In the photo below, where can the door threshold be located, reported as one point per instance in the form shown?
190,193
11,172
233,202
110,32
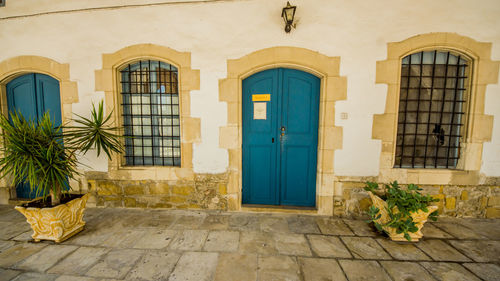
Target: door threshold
278,209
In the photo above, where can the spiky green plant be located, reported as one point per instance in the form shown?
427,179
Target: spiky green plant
407,201
45,155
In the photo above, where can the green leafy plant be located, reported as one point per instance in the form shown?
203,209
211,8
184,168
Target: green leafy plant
400,204
45,155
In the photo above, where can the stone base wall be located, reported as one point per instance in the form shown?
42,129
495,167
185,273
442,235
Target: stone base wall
478,201
206,191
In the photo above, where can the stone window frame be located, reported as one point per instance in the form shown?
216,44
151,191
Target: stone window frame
21,65
333,88
479,127
107,80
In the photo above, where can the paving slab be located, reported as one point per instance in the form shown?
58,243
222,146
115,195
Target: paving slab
24,237
357,270
402,250
459,231
303,225
155,265
189,240
278,268
488,227
11,229
8,274
215,222
400,270
439,250
328,246
125,239
155,239
75,278
273,225
187,222
292,244
333,226
244,222
33,276
430,231
222,241
195,266
444,271
315,269
360,227
486,271
46,258
236,267
4,245
116,264
79,262
365,248
479,250
19,252
92,237
257,243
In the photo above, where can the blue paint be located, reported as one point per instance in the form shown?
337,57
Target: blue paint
33,95
282,172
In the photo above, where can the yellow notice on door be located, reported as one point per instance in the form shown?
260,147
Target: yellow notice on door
261,97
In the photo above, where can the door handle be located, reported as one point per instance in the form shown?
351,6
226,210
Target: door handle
273,140
283,130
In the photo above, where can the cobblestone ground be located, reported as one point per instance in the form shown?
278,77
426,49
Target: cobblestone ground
172,245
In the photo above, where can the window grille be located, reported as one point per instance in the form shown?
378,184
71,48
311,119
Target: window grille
150,102
431,109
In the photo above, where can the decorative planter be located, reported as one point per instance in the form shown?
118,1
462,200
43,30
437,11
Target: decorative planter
57,223
419,218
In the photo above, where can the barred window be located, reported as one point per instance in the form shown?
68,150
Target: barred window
150,102
432,104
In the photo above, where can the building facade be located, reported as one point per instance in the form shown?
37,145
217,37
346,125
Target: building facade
223,109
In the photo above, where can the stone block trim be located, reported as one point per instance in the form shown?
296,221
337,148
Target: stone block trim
333,88
457,200
479,127
203,191
106,80
17,66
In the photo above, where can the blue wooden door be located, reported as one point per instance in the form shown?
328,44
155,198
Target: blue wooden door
280,136
33,95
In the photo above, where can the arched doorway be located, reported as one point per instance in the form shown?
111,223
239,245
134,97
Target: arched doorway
32,95
280,112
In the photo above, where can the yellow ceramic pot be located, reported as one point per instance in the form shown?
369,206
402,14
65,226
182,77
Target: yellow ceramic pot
419,218
57,223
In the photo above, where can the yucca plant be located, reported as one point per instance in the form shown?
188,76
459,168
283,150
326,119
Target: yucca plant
45,155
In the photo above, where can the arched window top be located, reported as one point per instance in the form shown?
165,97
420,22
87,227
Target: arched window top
152,64
440,57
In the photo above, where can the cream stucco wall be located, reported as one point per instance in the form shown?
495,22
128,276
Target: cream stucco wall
357,31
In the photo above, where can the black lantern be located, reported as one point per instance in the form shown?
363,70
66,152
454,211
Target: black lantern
287,14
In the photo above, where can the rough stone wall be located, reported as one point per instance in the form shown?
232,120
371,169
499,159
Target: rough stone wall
206,191
479,201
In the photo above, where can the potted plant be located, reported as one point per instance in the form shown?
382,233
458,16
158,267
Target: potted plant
45,156
400,213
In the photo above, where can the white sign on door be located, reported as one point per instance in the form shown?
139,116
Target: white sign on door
259,110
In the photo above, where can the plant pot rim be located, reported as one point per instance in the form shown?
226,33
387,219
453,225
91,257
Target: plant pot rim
20,205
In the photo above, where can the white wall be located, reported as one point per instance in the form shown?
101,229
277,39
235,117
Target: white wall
355,30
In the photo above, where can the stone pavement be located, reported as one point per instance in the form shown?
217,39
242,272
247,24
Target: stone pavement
130,244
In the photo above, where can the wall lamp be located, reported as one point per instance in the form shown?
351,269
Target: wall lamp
288,13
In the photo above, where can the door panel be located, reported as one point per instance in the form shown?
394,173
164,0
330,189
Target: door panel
32,95
299,147
280,152
259,152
